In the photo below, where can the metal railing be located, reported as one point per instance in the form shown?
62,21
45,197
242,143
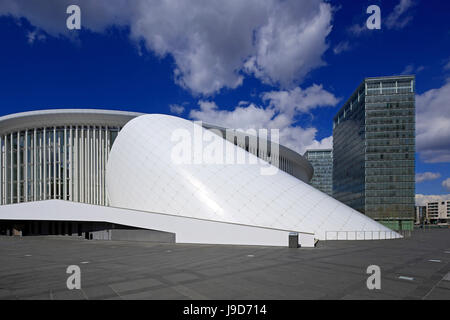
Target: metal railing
367,235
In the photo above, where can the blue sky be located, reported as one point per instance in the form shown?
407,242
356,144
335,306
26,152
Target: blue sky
287,65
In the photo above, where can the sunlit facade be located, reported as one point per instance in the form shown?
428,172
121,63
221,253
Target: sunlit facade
66,170
57,155
227,193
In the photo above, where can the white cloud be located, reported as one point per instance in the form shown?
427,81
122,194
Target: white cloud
421,199
421,177
446,184
357,29
279,112
447,65
176,108
341,47
214,42
35,35
433,124
399,18
299,100
411,69
289,45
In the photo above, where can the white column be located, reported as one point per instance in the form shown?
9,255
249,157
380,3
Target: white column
60,166
76,163
95,171
70,166
25,167
41,165
48,163
5,172
54,164
12,168
2,169
88,166
64,161
92,166
102,166
83,164
2,191
106,158
18,166
80,165
97,166
35,151
44,165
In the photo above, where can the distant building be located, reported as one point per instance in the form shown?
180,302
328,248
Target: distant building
374,151
322,162
421,215
438,211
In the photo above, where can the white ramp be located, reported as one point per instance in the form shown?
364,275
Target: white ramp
186,229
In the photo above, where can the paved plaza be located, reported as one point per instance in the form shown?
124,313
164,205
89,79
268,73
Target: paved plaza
413,268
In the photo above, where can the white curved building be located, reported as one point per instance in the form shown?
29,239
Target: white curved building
163,173
143,174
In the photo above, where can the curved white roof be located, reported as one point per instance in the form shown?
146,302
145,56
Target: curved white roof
60,117
301,168
142,175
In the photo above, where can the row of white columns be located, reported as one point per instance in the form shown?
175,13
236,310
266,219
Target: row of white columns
257,149
65,163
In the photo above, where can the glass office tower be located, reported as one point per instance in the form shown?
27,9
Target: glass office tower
374,151
322,162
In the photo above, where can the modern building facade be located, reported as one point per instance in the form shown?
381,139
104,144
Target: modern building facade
62,154
374,150
57,154
438,212
222,192
76,169
322,162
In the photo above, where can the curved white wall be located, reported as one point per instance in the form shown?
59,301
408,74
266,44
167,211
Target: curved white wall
141,175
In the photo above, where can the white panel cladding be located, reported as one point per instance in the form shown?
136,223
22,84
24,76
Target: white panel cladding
141,175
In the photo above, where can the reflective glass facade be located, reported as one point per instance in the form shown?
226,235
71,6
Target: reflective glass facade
374,149
322,162
66,163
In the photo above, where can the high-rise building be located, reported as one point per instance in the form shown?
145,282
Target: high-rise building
374,150
322,162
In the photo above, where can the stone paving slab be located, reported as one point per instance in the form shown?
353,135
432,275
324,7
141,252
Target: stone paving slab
413,268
